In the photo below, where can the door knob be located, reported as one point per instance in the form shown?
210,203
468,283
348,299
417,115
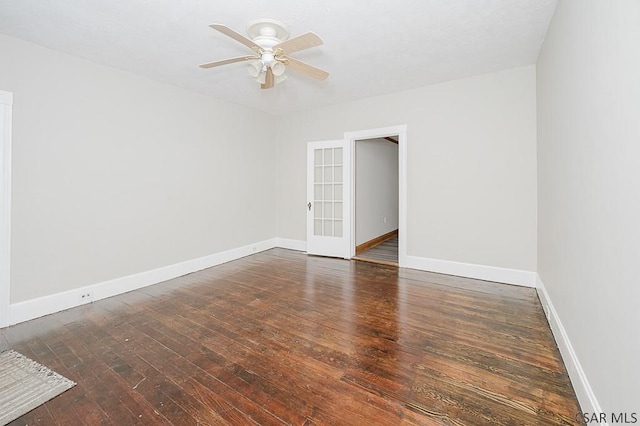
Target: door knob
309,205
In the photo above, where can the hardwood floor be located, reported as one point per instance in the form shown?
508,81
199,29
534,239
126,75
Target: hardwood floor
282,338
384,254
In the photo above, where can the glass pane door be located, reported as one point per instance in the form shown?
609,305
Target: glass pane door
327,192
327,189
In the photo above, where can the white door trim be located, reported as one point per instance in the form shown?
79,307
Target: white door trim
352,137
6,106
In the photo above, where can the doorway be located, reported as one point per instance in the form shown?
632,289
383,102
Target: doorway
398,133
376,200
331,200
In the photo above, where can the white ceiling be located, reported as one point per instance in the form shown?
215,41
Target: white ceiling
371,47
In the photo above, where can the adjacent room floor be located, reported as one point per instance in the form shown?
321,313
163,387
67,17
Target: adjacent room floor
385,253
283,338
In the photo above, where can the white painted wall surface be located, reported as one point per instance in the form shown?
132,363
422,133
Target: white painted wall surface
471,165
114,174
589,180
376,188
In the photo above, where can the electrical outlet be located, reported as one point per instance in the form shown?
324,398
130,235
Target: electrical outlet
384,219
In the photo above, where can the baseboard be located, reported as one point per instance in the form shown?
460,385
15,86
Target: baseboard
291,244
469,270
586,397
34,308
376,241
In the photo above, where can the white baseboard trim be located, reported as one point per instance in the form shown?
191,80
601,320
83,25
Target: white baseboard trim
469,270
286,243
586,397
34,308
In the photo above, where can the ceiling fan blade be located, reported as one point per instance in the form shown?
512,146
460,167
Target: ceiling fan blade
301,42
307,69
236,36
228,61
268,82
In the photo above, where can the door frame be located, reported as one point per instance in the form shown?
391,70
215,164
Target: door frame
352,137
6,106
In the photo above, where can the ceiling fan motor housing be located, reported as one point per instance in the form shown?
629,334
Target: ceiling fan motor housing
267,32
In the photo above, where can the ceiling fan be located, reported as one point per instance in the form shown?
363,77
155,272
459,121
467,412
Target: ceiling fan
269,39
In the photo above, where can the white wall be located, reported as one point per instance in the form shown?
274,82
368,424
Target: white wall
114,174
471,165
589,178
376,188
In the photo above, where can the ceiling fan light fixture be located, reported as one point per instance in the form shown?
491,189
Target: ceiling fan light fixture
262,78
255,68
277,68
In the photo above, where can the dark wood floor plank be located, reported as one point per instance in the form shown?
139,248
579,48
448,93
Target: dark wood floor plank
76,402
178,334
285,338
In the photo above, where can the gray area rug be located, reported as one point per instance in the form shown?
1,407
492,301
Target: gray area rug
25,384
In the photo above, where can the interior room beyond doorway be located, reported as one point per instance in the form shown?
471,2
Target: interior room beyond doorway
377,200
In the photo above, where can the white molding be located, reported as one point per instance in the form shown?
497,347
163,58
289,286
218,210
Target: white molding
584,392
402,194
6,98
470,270
6,106
34,308
286,243
352,137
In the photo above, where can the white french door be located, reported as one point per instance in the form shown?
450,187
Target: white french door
328,192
